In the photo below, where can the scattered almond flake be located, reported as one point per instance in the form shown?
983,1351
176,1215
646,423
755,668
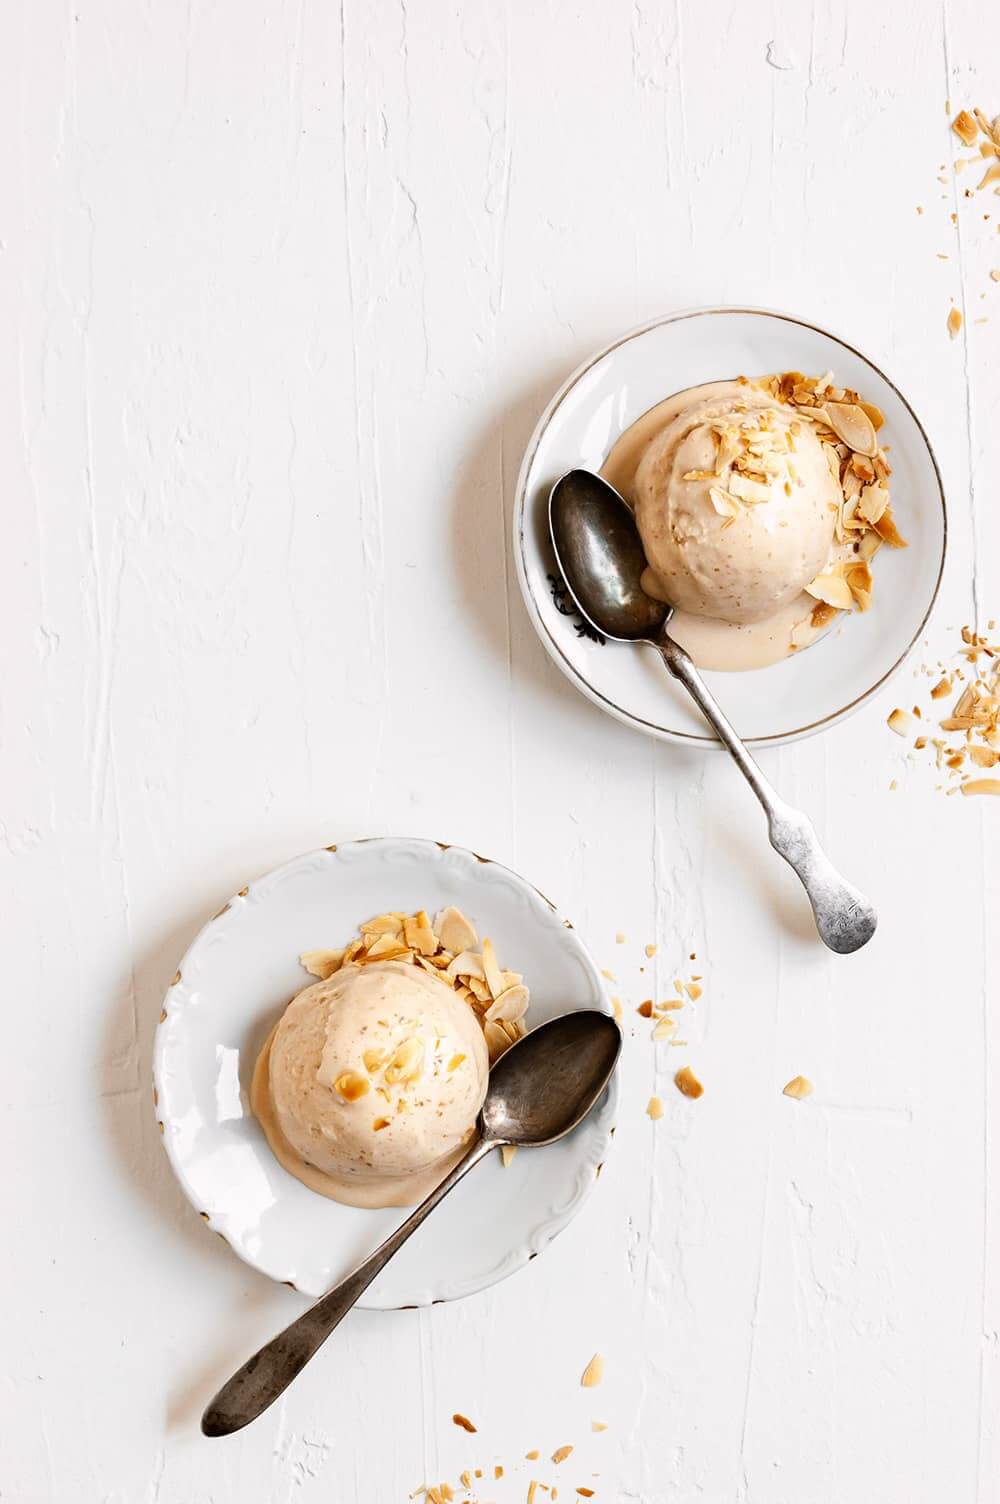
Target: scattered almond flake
407,1062
725,504
322,963
650,951
645,1008
454,931
593,1373
507,1152
561,1453
654,1109
965,127
991,175
464,1422
693,990
902,722
379,1124
419,935
798,1087
533,1455
598,1425
616,1008
491,969
853,427
585,1493
984,757
954,322
687,1083
666,1028
981,786
498,1470
352,1086
941,689
509,1006
608,975
832,589
892,786
995,275
678,987
619,938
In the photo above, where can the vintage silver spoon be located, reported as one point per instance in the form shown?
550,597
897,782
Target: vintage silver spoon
538,1091
600,553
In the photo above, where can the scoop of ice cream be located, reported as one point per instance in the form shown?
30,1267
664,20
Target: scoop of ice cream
371,1083
736,506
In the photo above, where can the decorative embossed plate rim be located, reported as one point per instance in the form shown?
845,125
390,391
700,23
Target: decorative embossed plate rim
234,981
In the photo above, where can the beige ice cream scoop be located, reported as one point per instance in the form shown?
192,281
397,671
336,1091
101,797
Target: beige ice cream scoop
736,506
369,1086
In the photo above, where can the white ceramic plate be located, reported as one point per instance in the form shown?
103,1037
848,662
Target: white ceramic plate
808,691
231,987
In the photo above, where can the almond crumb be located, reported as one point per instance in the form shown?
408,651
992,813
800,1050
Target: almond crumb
593,1373
464,1422
954,322
654,1109
650,951
645,1008
687,1083
598,1425
798,1087
561,1453
533,1455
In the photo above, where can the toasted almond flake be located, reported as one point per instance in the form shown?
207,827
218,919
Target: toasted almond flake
383,924
585,1493
619,938
509,1006
693,990
965,127
902,722
616,1008
598,1425
991,175
593,1373
853,427
954,322
379,1124
497,1040
650,951
465,1478
407,1061
322,963
888,531
725,504
995,275
981,786
498,1471
419,935
798,1087
491,969
941,689
654,1109
352,1086
832,589
507,1152
984,757
666,1028
385,947
608,976
678,987
533,1455
374,1060
645,1008
873,502
466,964
464,1422
687,1083
561,1453
859,579
454,931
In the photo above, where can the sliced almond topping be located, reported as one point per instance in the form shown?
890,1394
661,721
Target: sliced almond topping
593,1373
352,1086
491,970
859,578
598,1425
654,1109
687,1083
386,948
533,1455
383,924
650,951
561,1453
991,175
902,722
984,757
725,504
666,1028
419,935
693,990
497,1040
874,414
507,1152
374,1060
798,1087
853,427
954,322
941,689
466,964
509,1006
407,1061
873,502
322,963
454,931
888,531
981,786
832,589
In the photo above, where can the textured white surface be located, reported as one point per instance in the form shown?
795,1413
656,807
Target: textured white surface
283,289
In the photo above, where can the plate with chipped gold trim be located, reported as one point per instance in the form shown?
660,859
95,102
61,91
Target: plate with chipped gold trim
808,691
232,986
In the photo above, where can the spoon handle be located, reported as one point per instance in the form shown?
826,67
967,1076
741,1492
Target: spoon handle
844,917
270,1371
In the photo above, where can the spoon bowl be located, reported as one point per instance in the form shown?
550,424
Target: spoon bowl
600,553
548,1082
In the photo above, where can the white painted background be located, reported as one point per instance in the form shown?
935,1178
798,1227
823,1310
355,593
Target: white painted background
283,291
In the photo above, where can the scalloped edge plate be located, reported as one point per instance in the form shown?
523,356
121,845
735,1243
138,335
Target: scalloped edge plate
234,982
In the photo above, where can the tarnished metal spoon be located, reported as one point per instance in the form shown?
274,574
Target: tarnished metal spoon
538,1092
600,553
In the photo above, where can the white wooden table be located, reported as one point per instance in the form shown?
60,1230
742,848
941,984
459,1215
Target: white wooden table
283,290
